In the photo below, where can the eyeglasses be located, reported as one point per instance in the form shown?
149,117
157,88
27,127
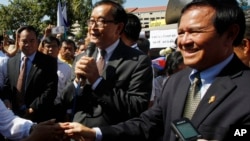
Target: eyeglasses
99,23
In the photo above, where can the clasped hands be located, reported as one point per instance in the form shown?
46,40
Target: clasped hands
51,131
86,68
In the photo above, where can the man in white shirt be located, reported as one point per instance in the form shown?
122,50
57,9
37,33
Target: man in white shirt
15,128
51,46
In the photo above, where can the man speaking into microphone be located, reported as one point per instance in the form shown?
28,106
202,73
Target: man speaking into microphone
115,80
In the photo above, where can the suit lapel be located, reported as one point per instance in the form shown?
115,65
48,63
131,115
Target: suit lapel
180,95
214,96
115,59
33,68
222,86
16,69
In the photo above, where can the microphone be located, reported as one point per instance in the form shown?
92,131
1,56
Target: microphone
89,52
90,49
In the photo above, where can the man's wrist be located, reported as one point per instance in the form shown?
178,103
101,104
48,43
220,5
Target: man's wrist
32,127
98,134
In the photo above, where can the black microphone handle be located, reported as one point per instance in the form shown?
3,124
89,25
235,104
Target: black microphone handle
89,51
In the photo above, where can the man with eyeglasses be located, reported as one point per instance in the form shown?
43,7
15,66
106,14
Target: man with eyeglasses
122,90
207,32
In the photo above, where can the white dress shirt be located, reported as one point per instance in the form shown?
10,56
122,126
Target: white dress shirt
3,70
11,126
64,76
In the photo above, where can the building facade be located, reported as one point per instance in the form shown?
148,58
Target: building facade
150,16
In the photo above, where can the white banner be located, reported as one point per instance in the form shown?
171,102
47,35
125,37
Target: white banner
162,38
58,30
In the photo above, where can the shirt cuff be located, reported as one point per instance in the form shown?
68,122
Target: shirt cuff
98,136
96,83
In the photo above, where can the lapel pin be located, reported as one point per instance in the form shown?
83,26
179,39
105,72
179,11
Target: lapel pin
211,100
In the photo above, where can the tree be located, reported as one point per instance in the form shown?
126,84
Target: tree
243,2
34,12
81,10
23,12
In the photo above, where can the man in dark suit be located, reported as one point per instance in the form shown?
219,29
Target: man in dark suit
123,89
40,87
207,32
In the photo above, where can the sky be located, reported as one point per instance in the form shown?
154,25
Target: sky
129,3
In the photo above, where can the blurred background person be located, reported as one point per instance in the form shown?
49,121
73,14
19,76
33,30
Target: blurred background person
9,46
132,30
174,63
243,50
51,46
47,32
144,45
67,51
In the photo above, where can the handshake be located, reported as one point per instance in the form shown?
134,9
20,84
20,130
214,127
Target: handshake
52,131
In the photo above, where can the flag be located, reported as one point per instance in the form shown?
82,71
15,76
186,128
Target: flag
61,21
159,63
64,14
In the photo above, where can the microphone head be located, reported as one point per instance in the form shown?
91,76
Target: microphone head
90,49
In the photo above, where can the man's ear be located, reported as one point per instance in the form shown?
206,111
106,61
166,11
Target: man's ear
120,28
246,46
232,33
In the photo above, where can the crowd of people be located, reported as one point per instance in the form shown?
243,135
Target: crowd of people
107,89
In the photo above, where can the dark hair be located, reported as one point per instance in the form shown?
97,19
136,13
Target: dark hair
50,39
174,59
28,28
144,45
133,27
228,13
68,41
118,12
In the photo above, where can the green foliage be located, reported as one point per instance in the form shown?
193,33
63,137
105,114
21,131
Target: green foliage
243,2
40,13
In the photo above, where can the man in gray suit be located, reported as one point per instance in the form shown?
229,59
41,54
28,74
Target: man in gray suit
122,90
207,32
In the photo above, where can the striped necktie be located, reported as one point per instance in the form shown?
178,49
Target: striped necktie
22,76
101,62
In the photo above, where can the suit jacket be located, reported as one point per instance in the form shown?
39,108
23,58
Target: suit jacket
123,92
213,119
41,86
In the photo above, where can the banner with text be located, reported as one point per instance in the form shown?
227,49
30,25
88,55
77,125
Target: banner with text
162,38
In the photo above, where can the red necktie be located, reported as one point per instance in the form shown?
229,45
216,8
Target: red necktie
22,76
101,62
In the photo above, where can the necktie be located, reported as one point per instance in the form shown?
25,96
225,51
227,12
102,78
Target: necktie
22,76
193,98
101,62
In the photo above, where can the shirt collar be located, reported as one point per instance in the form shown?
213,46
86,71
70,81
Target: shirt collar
109,50
208,75
31,57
